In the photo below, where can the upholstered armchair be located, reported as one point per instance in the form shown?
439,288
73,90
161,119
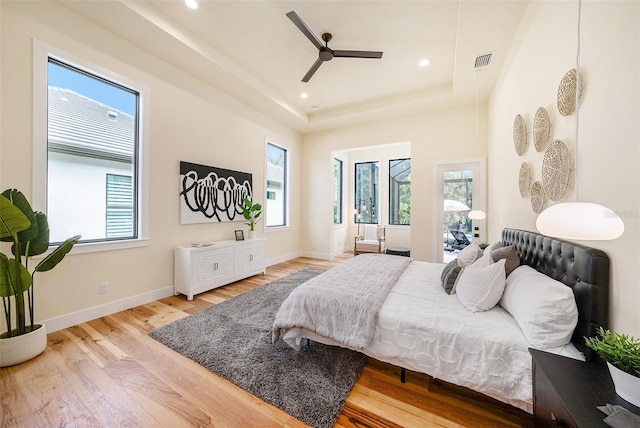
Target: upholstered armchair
371,240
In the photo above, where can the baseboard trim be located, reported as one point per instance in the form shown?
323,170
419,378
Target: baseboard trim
321,256
281,259
75,318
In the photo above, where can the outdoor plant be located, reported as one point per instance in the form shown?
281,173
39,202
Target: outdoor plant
251,212
28,233
619,350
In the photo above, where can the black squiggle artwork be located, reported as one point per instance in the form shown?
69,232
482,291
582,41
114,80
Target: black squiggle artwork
209,194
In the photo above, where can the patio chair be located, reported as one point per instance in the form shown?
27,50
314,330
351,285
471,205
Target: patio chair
460,240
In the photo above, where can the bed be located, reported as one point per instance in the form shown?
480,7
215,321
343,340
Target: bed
417,326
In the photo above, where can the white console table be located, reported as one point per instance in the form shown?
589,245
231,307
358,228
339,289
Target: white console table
202,267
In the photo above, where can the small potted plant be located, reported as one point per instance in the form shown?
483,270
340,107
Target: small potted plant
251,212
622,354
28,233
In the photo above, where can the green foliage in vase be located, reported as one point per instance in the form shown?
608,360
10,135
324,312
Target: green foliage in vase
617,349
28,233
251,212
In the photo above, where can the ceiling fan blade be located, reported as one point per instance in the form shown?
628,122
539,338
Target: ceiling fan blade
357,54
316,65
305,30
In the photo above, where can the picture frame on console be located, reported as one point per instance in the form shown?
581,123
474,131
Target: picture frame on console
239,235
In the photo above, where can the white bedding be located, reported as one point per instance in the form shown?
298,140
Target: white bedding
422,328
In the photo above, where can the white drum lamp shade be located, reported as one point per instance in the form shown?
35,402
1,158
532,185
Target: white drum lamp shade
580,221
477,215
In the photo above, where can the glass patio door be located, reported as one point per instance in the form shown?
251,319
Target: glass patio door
460,188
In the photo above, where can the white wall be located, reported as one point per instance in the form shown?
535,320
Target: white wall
190,121
609,135
434,135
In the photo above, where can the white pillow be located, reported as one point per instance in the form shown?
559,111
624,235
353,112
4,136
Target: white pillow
545,309
480,288
469,254
484,261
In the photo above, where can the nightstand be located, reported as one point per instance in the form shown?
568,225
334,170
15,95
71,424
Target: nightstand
566,392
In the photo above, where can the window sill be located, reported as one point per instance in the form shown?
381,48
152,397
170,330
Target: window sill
96,247
270,229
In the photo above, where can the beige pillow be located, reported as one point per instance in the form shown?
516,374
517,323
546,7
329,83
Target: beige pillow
509,254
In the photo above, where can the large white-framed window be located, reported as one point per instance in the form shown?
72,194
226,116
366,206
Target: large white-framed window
277,192
89,125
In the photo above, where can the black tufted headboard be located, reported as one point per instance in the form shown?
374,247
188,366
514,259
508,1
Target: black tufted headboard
584,269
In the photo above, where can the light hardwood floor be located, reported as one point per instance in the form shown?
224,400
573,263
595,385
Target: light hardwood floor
109,373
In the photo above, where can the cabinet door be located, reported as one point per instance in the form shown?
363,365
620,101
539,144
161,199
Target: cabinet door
212,268
249,259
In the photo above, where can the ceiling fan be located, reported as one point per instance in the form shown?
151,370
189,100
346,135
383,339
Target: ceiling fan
324,52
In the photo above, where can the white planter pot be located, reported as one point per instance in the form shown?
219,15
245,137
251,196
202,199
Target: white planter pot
627,386
18,349
252,234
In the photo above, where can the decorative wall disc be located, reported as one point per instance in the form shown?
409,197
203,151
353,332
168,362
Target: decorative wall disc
556,167
524,179
520,135
537,197
541,126
567,92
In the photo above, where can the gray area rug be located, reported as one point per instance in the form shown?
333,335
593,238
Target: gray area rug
233,340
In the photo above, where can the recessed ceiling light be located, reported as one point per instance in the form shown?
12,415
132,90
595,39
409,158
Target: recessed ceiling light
304,95
191,4
423,63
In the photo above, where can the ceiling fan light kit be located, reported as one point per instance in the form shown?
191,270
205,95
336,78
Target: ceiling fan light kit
325,53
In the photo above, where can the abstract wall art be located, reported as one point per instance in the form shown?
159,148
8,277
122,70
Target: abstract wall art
212,195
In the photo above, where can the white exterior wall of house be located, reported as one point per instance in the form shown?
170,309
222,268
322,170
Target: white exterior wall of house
275,207
87,177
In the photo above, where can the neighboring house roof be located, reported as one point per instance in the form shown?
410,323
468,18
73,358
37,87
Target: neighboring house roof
86,127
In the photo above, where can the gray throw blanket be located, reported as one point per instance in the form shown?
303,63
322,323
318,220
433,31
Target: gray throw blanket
343,303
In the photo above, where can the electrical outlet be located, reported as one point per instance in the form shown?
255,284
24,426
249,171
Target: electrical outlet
104,287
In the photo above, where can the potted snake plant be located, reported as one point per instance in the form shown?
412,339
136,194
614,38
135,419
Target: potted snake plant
622,354
28,234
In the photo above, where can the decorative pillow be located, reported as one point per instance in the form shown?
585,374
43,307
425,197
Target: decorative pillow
509,254
480,288
469,254
483,261
450,275
489,248
545,309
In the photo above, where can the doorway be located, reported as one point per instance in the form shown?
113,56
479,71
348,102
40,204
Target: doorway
460,186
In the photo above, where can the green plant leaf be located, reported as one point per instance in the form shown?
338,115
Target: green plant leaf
18,200
9,279
12,220
620,350
40,243
57,255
